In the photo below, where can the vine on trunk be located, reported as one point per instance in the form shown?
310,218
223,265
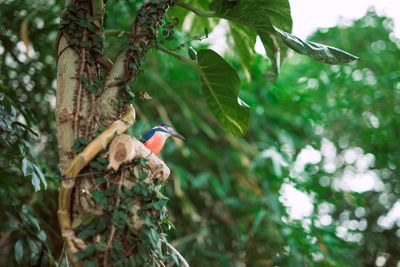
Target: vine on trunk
106,217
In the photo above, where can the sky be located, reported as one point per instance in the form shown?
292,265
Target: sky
308,15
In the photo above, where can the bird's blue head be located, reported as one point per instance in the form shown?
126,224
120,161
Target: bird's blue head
168,129
163,128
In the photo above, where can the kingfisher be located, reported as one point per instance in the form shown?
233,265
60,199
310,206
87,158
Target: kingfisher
155,138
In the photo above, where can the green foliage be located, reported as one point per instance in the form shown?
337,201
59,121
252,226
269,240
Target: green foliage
32,246
17,135
247,19
226,199
125,224
233,213
30,169
28,158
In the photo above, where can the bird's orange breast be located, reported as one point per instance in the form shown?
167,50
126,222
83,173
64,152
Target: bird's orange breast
155,143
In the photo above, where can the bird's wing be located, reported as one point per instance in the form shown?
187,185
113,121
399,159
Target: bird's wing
148,134
151,132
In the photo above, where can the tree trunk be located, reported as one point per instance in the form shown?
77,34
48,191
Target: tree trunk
92,95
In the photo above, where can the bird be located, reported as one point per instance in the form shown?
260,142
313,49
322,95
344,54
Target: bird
155,138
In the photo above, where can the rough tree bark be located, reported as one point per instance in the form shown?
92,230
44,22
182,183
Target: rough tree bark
92,93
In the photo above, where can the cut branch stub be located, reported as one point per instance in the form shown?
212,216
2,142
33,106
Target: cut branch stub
75,244
125,148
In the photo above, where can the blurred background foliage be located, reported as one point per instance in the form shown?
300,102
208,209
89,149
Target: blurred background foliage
314,182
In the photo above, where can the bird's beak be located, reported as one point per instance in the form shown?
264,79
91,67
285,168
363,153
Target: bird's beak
177,135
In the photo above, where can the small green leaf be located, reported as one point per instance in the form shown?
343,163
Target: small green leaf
72,42
86,253
101,180
40,174
84,44
86,233
257,220
84,79
98,196
9,226
91,89
102,160
102,128
35,182
42,236
76,222
102,225
27,212
96,165
79,144
35,245
133,66
87,219
19,251
168,222
95,79
26,167
143,175
34,258
89,263
221,85
97,38
320,52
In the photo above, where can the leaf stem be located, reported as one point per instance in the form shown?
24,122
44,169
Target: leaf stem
184,262
195,10
174,54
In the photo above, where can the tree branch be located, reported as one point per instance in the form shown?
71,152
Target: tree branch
120,33
184,262
195,10
174,54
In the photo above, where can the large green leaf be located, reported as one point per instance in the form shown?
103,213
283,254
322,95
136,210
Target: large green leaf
244,12
278,12
220,85
320,52
257,14
245,40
